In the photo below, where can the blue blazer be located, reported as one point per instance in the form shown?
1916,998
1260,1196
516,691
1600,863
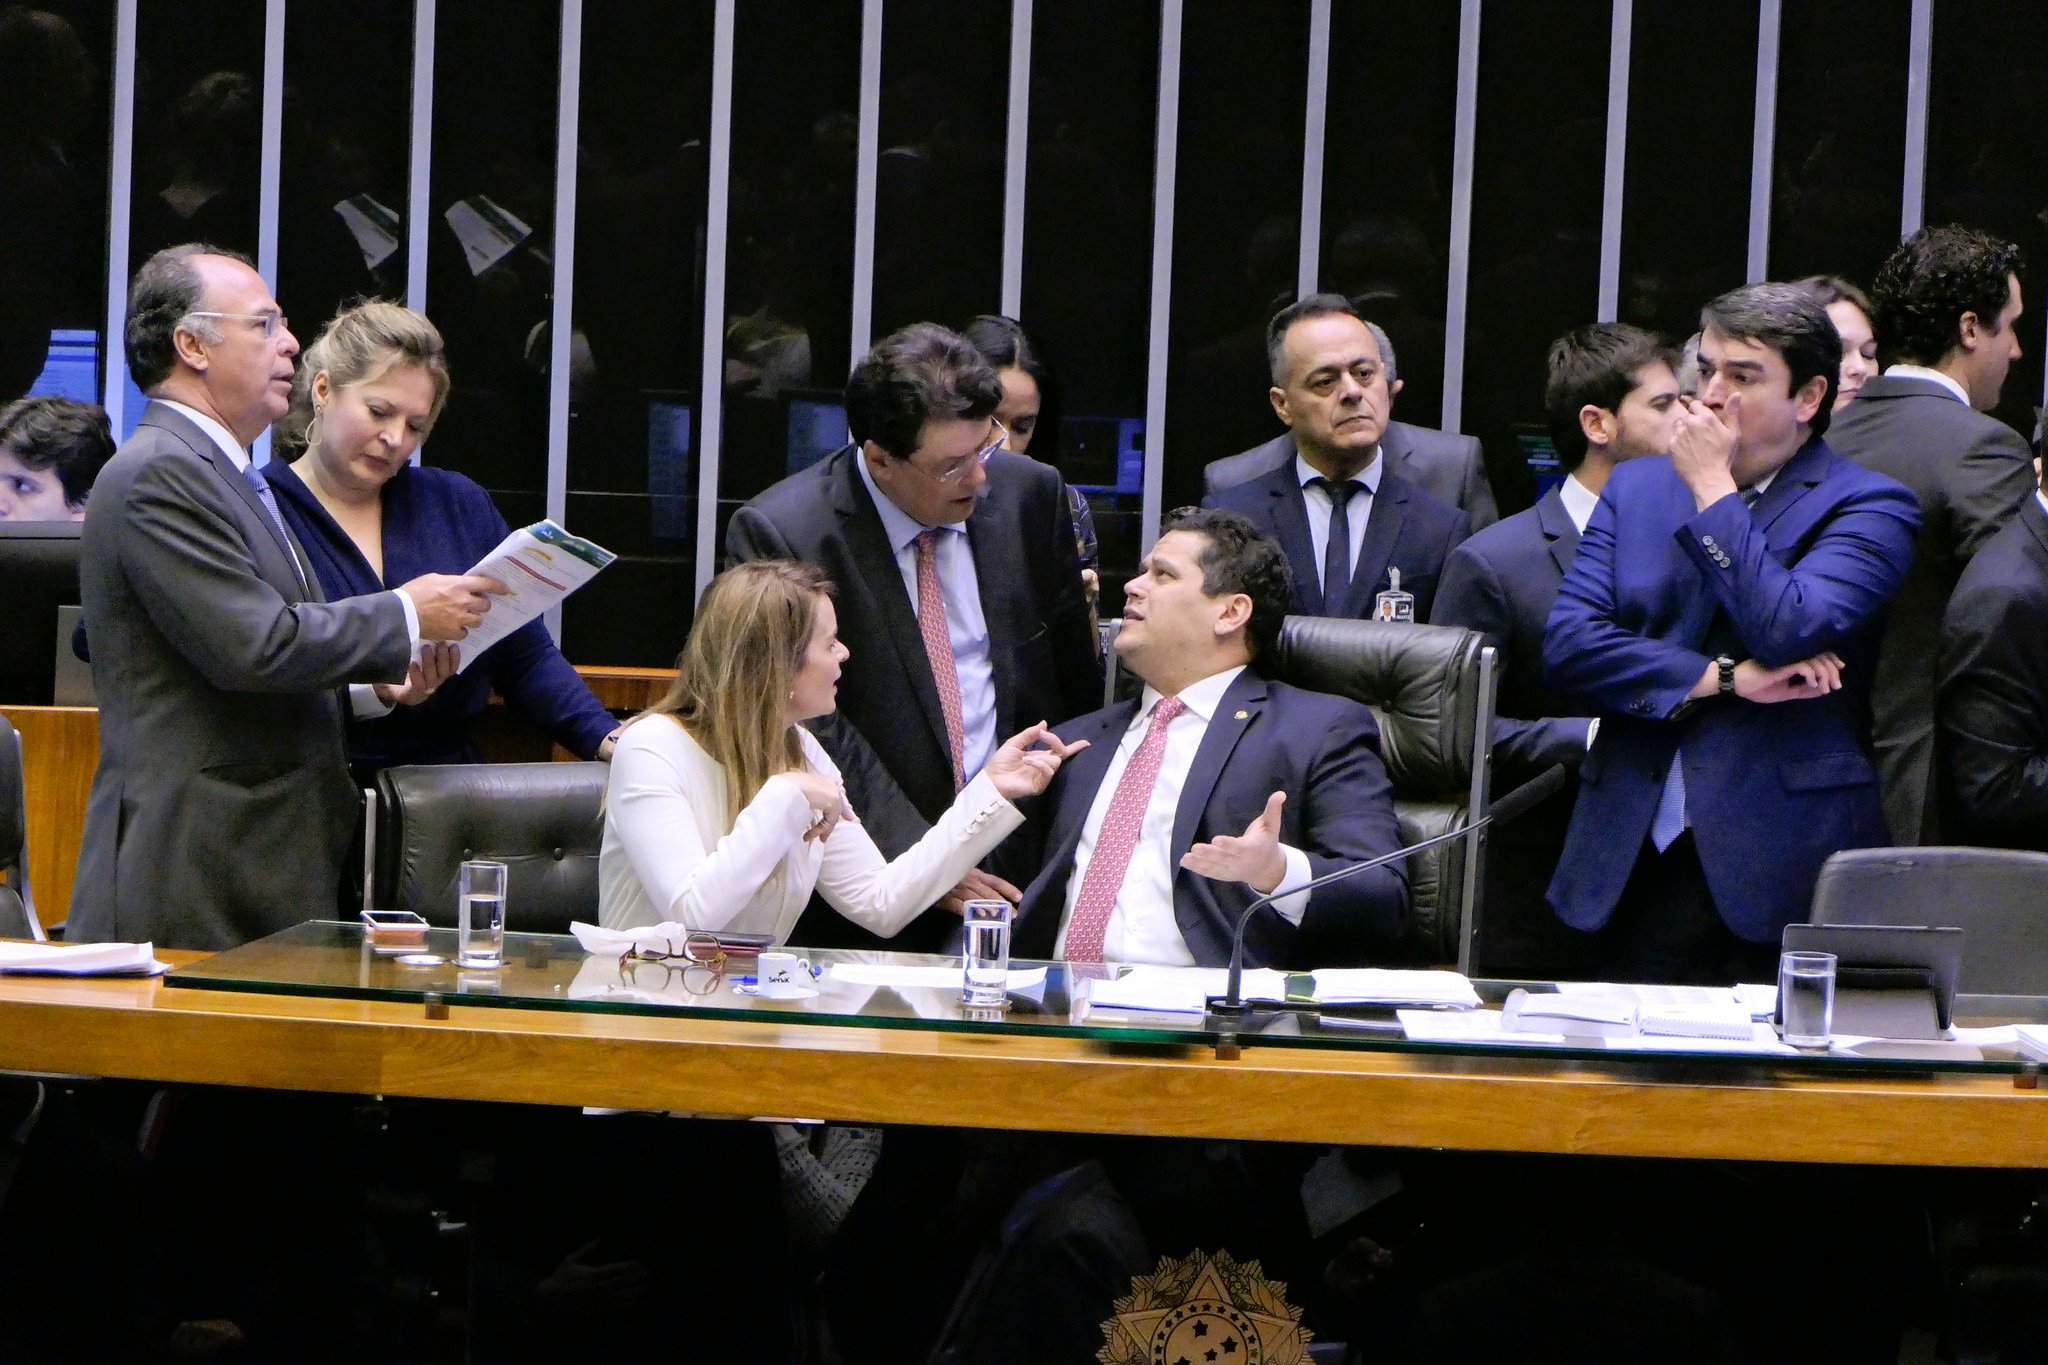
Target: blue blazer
1658,589
437,521
1408,530
1323,751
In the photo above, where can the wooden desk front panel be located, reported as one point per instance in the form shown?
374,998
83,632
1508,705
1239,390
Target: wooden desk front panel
60,746
149,1031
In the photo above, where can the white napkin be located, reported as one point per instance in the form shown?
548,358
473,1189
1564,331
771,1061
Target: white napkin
667,936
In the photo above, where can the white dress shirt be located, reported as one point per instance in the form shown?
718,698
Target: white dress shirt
362,697
1579,501
1905,371
1142,927
668,853
966,627
1318,505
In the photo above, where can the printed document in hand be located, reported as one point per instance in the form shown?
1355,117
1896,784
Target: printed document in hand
541,564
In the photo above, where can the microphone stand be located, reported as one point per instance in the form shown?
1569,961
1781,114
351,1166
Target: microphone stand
1231,1005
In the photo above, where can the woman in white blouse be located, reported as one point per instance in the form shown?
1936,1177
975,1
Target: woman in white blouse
723,813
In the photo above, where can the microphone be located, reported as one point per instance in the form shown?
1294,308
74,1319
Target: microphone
1516,803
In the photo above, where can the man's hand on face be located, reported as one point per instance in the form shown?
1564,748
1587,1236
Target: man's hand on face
1703,448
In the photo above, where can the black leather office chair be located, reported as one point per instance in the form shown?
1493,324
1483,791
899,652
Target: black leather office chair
543,820
17,915
1997,897
1432,690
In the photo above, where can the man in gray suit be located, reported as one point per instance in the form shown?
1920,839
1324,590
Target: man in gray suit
1449,468
222,807
1946,302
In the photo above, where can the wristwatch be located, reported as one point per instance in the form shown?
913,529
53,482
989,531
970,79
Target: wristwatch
1727,667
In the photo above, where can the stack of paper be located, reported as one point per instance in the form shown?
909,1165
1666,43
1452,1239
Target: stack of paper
1387,986
1182,990
80,959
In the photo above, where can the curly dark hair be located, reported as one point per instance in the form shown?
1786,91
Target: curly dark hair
56,433
920,372
1927,284
1239,557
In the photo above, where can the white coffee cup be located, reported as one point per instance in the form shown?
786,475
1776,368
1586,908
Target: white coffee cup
783,975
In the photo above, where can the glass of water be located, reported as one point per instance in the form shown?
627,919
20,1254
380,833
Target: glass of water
480,915
1806,997
985,960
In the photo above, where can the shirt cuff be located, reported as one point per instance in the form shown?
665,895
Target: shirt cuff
365,704
1592,732
1290,900
412,620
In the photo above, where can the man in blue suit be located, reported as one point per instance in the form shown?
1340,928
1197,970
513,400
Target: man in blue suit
1216,786
1345,518
1612,395
1721,618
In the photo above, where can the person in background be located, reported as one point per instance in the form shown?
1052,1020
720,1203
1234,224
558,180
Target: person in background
1346,515
1991,691
1849,309
1004,343
51,450
1449,467
1946,299
1612,396
1721,601
722,812
955,567
368,391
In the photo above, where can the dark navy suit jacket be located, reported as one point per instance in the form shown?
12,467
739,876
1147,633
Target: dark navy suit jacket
1502,583
437,521
1407,530
1657,589
1323,751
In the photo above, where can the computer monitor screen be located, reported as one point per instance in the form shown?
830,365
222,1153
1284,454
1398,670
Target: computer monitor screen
39,565
1540,454
817,427
1103,454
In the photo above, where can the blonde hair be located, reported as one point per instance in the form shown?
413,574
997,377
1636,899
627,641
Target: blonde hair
738,670
365,341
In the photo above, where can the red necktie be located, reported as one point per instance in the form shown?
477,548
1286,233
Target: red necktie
938,648
1118,838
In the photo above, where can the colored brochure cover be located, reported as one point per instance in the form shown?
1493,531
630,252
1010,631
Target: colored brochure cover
541,564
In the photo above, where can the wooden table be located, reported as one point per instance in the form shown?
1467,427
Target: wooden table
147,1030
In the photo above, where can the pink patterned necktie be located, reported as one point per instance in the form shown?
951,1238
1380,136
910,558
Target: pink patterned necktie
1118,838
938,648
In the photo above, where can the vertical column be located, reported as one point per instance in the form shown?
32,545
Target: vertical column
1312,148
1460,270
1763,139
562,313
120,168
420,166
1164,157
711,380
864,177
1014,158
1619,32
269,166
1919,64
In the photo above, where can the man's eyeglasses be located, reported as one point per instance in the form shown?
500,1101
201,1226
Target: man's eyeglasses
953,469
273,323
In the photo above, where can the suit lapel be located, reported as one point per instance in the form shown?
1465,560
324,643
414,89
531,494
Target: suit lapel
876,565
1560,535
1241,704
171,420
1290,528
2037,522
1382,534
1800,474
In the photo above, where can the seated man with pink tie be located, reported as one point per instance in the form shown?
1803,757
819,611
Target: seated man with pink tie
1216,786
